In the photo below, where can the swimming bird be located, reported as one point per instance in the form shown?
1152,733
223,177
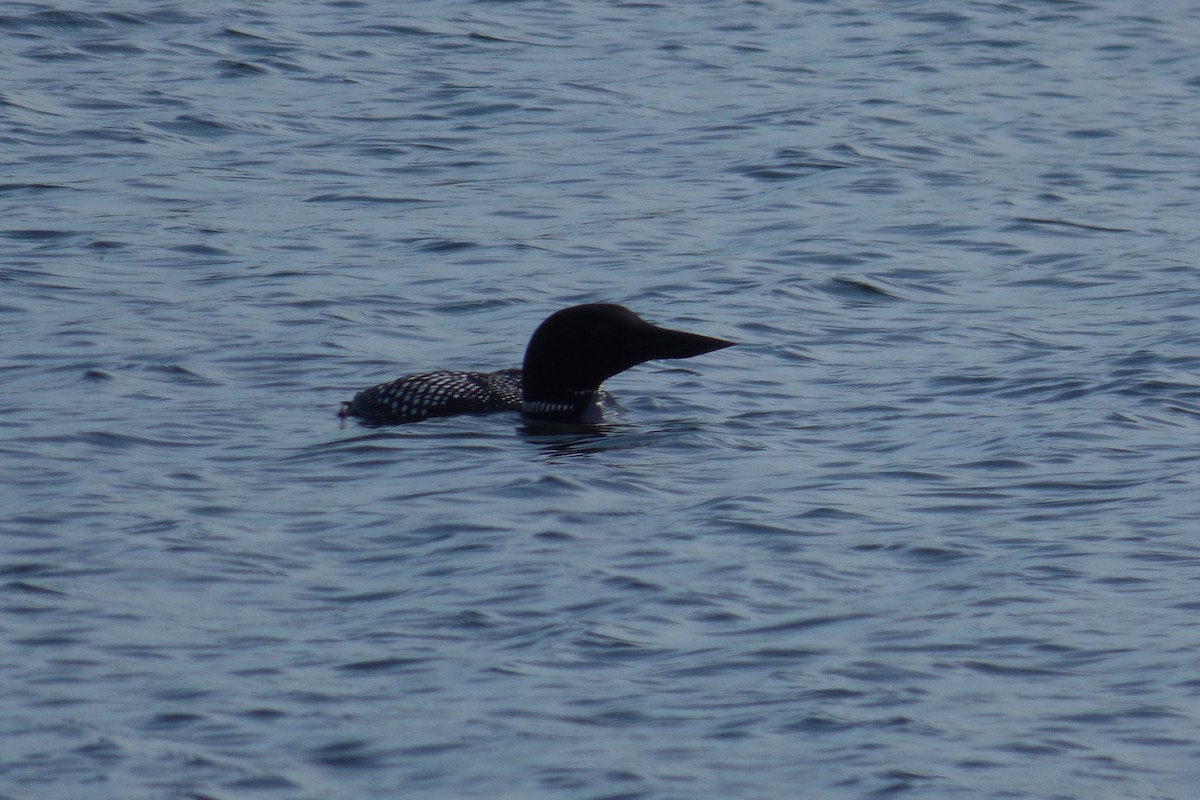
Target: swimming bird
569,355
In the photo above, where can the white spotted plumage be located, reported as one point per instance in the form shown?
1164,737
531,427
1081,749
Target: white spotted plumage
438,394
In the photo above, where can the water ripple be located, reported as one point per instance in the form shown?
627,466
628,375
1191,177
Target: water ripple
927,530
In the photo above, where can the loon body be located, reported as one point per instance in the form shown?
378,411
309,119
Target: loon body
568,357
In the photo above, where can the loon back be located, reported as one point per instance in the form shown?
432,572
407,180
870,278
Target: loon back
437,394
568,357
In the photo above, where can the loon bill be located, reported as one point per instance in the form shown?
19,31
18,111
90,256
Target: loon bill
568,357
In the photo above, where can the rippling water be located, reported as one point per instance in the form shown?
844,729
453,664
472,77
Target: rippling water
931,530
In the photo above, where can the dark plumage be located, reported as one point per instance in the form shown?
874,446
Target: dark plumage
437,394
568,357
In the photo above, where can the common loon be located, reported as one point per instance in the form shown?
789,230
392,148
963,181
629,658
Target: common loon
568,356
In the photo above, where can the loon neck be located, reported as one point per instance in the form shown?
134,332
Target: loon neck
570,405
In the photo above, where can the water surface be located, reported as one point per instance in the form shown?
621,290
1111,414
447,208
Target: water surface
928,531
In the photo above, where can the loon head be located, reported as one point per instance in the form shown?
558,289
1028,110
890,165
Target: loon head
576,349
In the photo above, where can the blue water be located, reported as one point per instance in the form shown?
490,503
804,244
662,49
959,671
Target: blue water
931,530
